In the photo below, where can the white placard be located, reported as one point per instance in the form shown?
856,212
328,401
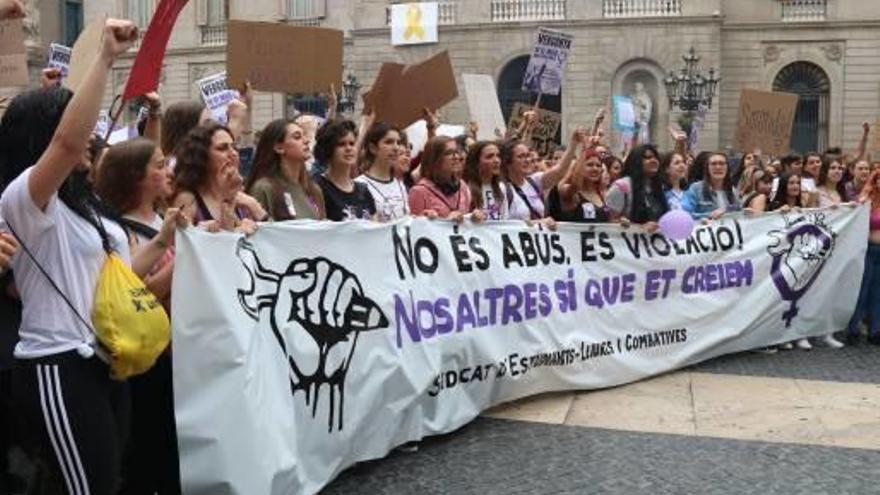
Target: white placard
547,65
484,106
216,95
59,58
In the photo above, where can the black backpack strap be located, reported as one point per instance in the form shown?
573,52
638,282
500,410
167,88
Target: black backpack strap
139,228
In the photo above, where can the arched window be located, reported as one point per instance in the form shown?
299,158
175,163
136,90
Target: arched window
811,84
510,90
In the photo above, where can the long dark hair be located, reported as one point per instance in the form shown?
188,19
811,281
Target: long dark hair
727,184
26,130
193,157
267,165
840,187
665,163
780,199
634,168
506,150
122,169
471,175
178,120
435,151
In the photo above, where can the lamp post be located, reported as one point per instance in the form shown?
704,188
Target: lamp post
690,88
350,89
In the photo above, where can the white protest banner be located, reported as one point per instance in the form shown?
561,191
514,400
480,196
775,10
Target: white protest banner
59,58
216,95
547,65
414,23
484,107
296,356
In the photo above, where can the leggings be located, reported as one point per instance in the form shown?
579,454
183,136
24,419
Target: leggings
76,421
869,294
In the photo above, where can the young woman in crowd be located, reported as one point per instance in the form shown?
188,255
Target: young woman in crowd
859,171
614,166
579,196
403,164
829,182
757,192
208,186
638,197
714,195
280,181
868,305
76,416
382,150
788,195
135,181
344,199
439,193
810,177
674,172
527,200
482,173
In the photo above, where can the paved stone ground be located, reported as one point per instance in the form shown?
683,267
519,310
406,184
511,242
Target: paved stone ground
492,456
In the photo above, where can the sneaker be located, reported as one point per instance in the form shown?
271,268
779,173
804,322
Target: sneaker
831,342
786,346
804,344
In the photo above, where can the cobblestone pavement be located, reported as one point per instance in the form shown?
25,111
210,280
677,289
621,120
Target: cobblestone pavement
502,456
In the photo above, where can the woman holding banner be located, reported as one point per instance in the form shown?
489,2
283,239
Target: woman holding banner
439,194
674,171
344,199
280,180
829,183
208,186
579,196
715,195
757,191
482,173
527,200
382,148
638,197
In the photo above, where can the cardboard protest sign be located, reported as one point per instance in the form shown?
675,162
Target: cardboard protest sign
59,58
414,23
13,54
216,94
483,104
548,122
624,113
765,121
547,65
401,93
147,68
84,52
283,59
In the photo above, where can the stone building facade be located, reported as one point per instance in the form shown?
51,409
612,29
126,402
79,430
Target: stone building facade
826,50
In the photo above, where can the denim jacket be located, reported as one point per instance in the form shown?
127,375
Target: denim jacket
695,203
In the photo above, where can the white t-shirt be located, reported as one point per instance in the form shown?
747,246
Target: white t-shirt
70,250
495,208
390,197
519,210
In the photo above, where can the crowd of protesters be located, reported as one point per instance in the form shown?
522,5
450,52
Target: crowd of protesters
69,199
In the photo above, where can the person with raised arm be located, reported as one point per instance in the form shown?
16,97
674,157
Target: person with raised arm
579,196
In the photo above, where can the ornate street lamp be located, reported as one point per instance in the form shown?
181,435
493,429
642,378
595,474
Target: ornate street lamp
689,88
350,89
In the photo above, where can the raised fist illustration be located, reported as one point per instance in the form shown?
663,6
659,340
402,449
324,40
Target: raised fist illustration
317,310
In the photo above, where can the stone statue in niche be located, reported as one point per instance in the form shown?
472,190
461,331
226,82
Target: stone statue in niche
644,107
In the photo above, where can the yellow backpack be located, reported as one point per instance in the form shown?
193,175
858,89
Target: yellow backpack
129,321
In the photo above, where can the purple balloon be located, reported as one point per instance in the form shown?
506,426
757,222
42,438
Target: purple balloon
676,225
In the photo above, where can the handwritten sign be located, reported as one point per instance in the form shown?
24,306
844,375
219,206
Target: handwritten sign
765,121
59,58
13,55
483,104
217,95
547,126
283,59
548,61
